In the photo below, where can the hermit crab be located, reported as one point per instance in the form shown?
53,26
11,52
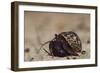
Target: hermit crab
64,44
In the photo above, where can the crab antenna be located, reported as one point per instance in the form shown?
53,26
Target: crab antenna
43,45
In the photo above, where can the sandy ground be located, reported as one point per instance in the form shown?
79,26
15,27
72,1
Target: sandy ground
40,27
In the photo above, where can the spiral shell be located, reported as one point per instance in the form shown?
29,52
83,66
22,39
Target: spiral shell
73,40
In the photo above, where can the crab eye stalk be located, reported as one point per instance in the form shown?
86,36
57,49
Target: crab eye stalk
56,35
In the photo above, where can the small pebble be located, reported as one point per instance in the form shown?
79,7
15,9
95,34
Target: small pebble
83,52
88,41
27,50
74,58
68,58
31,59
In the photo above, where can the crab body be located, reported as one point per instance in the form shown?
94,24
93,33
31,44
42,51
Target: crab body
65,44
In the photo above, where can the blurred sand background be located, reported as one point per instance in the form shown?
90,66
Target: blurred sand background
40,27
